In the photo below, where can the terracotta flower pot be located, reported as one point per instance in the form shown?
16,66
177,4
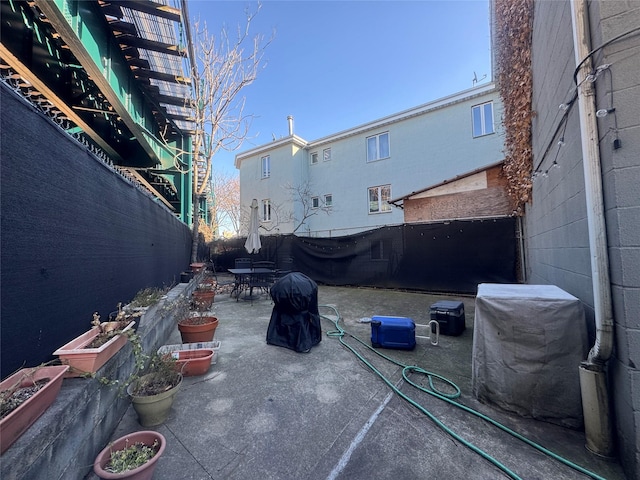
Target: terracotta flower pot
193,362
153,409
143,472
88,360
197,329
174,349
196,267
19,420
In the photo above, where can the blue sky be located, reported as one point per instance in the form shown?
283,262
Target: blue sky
334,65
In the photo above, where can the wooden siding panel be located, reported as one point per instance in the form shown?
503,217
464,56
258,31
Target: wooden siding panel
487,202
480,203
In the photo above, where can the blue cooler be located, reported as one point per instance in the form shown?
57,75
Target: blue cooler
393,332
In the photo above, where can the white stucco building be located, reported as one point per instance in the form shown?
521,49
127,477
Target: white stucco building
339,184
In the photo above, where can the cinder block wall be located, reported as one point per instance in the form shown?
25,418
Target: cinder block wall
557,246
62,444
76,237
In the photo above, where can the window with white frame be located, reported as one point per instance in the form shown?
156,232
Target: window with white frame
482,119
266,210
314,158
378,198
328,200
266,166
378,147
315,202
326,154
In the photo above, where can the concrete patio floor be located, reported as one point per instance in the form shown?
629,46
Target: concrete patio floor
271,413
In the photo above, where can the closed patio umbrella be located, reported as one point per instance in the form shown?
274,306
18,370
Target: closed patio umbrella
253,244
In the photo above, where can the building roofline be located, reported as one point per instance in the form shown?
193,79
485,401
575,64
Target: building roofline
397,200
261,149
411,112
396,117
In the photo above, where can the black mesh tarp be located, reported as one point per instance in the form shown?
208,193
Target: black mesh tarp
452,256
76,238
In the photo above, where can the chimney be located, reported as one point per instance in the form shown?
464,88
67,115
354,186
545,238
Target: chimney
290,120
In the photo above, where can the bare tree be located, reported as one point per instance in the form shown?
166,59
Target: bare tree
225,208
279,215
220,69
302,195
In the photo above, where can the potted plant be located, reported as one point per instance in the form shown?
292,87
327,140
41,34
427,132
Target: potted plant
88,352
147,297
24,396
204,294
197,267
133,456
153,392
145,303
197,327
194,325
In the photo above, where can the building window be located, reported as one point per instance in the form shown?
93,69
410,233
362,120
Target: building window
314,158
482,116
326,155
380,249
328,200
266,166
378,147
266,210
315,202
378,198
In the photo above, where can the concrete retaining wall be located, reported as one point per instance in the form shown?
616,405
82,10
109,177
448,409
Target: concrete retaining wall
63,443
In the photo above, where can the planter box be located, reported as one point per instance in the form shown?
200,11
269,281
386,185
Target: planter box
89,360
215,346
193,362
19,420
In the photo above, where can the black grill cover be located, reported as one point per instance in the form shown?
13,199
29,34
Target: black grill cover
295,320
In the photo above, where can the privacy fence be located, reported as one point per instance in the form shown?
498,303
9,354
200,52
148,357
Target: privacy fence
451,256
76,237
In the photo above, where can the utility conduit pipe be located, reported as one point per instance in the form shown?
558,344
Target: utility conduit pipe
593,380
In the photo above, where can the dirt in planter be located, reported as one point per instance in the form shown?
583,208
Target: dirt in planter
101,340
156,384
131,457
197,320
14,397
103,337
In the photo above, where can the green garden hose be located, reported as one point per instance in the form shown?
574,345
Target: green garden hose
433,379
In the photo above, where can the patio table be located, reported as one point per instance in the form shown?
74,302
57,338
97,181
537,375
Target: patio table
249,278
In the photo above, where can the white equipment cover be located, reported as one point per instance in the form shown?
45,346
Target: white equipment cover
253,243
528,342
